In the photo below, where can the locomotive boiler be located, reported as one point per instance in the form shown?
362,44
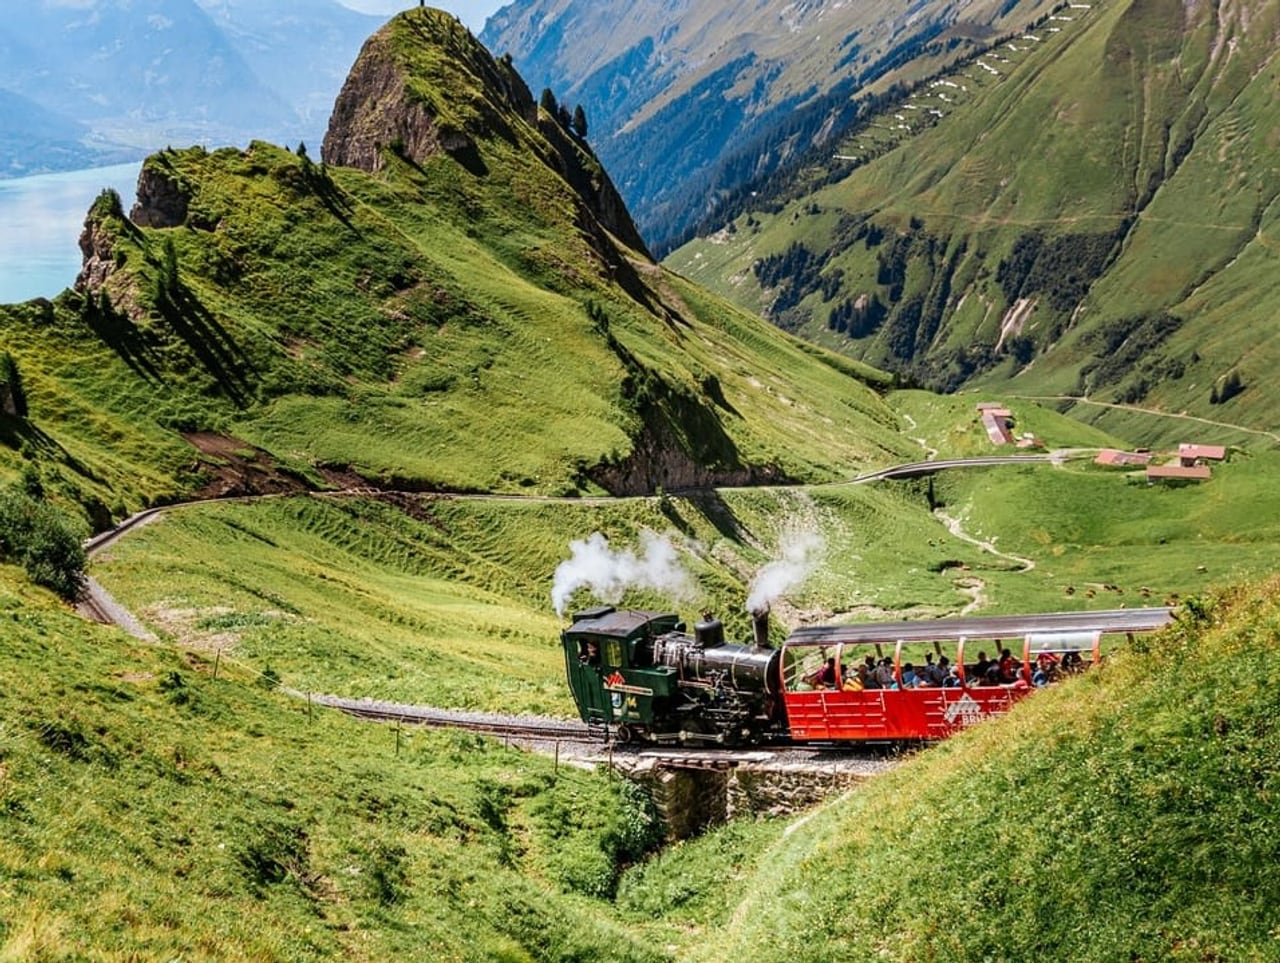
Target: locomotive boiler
644,676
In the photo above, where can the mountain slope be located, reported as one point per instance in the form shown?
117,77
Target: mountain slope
1128,815
1079,210
690,98
462,313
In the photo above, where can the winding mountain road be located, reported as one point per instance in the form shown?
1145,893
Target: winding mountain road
98,605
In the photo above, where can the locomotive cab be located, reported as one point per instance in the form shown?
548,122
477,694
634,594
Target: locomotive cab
643,675
609,662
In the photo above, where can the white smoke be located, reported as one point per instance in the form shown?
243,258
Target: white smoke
801,553
608,573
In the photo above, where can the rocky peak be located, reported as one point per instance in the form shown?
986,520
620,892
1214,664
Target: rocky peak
424,86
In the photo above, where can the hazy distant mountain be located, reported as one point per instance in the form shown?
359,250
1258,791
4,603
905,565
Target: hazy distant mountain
32,137
142,74
301,49
689,98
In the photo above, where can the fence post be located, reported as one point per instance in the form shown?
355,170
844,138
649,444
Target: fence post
217,658
397,740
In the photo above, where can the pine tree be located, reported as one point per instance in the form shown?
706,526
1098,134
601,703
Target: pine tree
580,122
13,398
548,102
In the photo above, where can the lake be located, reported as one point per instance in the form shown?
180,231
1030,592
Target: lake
40,222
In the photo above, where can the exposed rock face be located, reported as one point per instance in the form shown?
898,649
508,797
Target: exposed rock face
97,246
161,200
658,462
374,111
387,104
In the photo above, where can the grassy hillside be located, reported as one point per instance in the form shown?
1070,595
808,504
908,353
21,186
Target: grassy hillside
1127,815
150,810
461,319
1085,209
690,102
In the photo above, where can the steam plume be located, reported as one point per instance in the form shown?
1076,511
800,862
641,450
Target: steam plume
608,573
801,553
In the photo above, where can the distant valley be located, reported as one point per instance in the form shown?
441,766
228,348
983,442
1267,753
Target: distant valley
90,84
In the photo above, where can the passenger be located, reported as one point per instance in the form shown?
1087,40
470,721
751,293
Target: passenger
935,673
1071,661
952,681
867,674
1046,666
909,679
884,674
1008,668
1040,678
853,681
590,654
827,674
980,668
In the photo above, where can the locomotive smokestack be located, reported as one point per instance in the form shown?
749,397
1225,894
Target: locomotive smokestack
760,626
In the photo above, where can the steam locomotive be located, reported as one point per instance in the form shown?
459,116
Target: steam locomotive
640,676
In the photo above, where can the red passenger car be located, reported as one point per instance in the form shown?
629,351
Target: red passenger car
828,698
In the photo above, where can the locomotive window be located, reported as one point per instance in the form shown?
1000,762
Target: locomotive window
612,652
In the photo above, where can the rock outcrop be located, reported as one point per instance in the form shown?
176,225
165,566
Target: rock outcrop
424,86
161,200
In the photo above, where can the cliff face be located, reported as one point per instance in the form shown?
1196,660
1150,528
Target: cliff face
424,86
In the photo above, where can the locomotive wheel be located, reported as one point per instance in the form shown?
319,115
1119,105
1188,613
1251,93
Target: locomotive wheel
623,735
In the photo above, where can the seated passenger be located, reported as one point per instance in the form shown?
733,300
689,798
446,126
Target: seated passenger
952,681
1008,668
909,679
867,673
979,670
827,674
933,672
1071,661
884,674
1046,667
852,681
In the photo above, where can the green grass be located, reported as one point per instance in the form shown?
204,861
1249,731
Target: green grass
150,810
1124,815
1155,140
449,602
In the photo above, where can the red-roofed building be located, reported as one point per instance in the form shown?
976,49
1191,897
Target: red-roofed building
1190,454
1196,473
996,422
1110,456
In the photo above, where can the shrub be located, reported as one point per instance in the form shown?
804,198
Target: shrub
44,541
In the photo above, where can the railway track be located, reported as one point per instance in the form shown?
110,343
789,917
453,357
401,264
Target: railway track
592,744
523,728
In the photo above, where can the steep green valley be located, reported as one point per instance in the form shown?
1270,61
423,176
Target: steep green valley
381,392
1084,210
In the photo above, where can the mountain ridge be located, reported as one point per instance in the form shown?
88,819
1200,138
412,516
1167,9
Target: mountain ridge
676,88
462,314
986,265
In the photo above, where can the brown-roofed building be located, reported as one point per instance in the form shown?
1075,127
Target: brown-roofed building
1110,456
997,425
1196,473
1190,454
990,406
